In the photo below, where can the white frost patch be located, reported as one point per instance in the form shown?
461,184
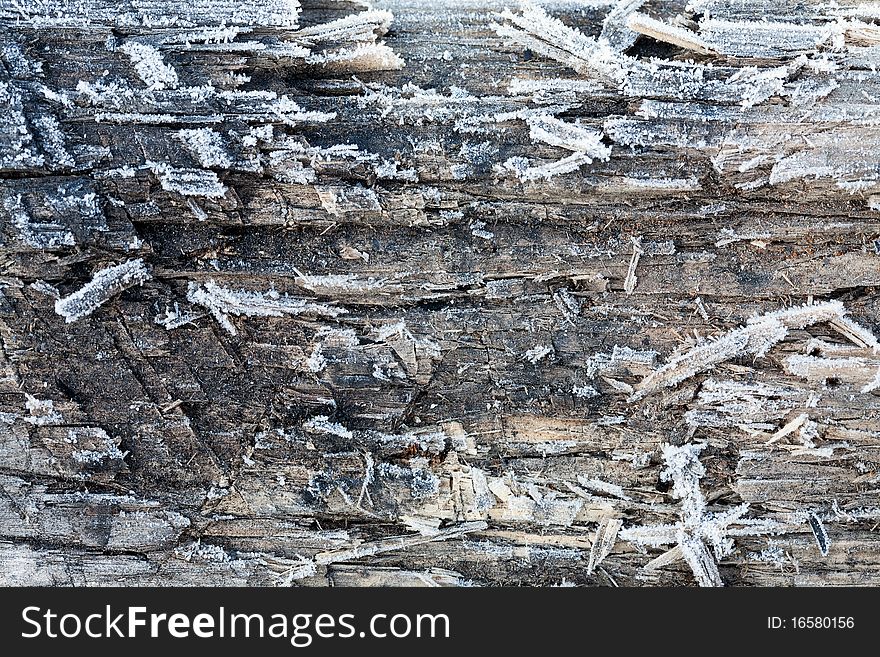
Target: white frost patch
363,26
550,37
321,424
567,304
149,66
621,361
363,58
39,235
538,353
43,287
155,14
584,145
603,487
602,58
697,530
527,173
292,114
677,36
207,146
339,201
102,447
316,362
571,137
104,285
478,229
174,318
756,338
339,283
42,411
189,182
751,406
585,392
222,302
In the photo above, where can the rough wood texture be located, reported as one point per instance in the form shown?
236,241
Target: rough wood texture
316,296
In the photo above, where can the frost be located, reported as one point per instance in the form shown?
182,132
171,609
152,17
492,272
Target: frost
622,360
17,146
554,91
39,235
53,141
339,283
150,67
527,173
852,370
677,36
412,105
334,337
43,287
321,424
773,554
752,406
762,39
173,319
756,338
478,229
139,118
363,26
585,392
697,530
101,447
569,136
390,170
207,146
729,236
431,442
422,481
567,304
615,29
585,146
222,302
297,569
104,285
42,411
17,63
340,200
315,362
157,14
538,353
602,58
363,58
189,182
396,543
548,36
292,114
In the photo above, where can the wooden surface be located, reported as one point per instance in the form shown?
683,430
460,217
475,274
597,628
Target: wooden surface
454,298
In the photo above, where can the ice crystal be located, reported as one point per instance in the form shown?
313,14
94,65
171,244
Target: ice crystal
697,529
223,302
756,338
104,285
150,66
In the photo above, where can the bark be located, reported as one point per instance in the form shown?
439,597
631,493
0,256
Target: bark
450,298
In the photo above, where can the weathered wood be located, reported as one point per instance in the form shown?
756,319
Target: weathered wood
321,296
